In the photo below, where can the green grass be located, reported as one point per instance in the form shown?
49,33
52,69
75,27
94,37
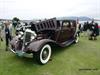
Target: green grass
72,60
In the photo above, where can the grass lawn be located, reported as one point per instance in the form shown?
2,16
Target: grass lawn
82,58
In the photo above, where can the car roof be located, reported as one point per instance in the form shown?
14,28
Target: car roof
65,19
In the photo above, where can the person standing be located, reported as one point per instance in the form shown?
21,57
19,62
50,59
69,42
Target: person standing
7,35
1,33
94,31
79,30
11,29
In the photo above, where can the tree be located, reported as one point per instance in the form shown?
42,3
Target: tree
15,21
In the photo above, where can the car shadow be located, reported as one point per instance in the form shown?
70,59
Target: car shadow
57,49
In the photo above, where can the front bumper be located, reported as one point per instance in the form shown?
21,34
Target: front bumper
21,53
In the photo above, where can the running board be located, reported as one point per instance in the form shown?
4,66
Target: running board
67,43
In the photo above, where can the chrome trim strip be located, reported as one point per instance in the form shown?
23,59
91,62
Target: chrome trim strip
12,50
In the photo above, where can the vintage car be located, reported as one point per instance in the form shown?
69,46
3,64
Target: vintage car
39,39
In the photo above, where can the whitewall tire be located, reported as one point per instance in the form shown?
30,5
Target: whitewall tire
44,54
76,38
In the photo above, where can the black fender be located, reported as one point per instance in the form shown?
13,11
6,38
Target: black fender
37,45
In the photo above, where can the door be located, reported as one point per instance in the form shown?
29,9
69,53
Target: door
66,32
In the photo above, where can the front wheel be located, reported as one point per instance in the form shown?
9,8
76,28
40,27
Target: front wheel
44,54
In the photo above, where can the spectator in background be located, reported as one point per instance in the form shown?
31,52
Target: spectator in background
15,22
94,31
85,28
7,34
79,29
1,28
0,35
11,29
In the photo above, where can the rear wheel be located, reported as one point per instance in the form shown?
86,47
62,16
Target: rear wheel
44,54
76,38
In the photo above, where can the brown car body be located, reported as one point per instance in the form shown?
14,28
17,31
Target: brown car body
51,31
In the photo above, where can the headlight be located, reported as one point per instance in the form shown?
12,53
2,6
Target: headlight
19,36
32,37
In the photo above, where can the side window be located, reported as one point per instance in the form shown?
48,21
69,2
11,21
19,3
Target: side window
74,23
58,23
66,24
71,23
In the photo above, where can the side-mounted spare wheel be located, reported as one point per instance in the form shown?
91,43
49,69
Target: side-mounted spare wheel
43,55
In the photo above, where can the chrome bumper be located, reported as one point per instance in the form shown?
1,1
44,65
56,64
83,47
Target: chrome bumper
21,53
12,50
